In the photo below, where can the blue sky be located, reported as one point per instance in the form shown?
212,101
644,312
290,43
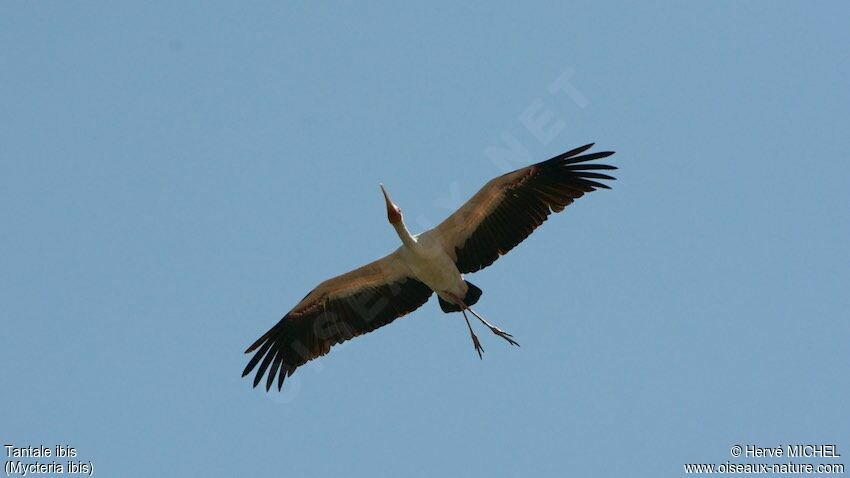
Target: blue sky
174,177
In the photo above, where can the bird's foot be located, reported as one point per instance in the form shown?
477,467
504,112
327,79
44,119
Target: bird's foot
478,347
501,333
475,342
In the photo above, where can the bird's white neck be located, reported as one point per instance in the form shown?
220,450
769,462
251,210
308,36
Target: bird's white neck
404,234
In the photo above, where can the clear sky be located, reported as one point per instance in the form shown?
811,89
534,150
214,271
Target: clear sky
174,176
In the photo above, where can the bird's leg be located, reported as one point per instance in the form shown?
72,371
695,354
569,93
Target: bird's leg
475,342
501,333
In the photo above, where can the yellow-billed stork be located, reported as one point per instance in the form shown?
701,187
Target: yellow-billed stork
497,218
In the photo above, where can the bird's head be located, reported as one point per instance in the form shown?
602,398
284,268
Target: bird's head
393,211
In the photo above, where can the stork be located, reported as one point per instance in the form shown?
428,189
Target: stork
497,218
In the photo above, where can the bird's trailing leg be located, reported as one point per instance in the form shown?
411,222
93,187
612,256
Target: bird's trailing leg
475,342
501,333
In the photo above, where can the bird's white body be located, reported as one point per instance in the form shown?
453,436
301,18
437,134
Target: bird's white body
427,260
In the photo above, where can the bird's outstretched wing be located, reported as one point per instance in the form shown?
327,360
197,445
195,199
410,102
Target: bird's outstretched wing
508,208
337,310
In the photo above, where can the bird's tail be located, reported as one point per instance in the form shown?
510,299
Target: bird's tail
473,293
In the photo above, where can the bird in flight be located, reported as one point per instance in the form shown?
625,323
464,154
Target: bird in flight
497,218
